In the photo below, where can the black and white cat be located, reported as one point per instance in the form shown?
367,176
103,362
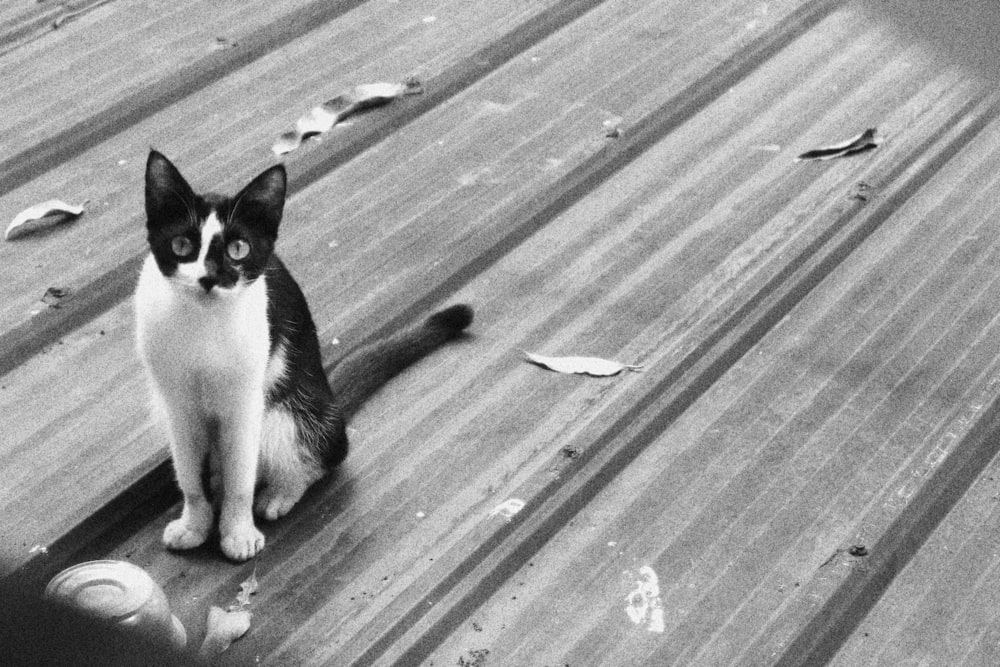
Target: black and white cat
233,360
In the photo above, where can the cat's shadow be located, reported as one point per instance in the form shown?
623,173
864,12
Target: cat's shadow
322,503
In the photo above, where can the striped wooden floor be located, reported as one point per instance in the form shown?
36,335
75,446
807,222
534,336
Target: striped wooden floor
801,473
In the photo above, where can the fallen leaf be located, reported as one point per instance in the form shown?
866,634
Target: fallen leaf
223,628
321,118
581,365
54,295
247,588
222,42
860,191
612,127
41,215
865,141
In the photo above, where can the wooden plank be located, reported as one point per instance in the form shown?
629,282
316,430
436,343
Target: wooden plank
687,284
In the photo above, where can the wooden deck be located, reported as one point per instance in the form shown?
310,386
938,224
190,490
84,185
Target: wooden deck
805,464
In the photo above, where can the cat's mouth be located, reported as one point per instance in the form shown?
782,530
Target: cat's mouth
207,289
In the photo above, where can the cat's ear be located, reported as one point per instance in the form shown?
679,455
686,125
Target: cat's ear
169,198
263,200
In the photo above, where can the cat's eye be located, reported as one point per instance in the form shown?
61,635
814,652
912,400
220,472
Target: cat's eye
238,249
182,246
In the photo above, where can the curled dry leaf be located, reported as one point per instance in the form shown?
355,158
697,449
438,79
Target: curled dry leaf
54,295
612,127
865,141
321,118
247,588
223,628
580,365
41,215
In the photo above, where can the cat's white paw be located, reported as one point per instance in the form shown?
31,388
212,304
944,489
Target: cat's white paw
242,543
182,534
273,504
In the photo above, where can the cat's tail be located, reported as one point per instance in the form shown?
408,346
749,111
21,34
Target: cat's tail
366,368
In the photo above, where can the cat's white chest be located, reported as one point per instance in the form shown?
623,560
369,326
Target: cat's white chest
209,343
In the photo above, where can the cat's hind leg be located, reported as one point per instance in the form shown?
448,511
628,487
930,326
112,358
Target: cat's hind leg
286,469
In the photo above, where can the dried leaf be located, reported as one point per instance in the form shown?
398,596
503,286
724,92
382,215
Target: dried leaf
222,629
865,141
41,215
860,191
581,365
54,295
222,42
321,118
612,127
247,588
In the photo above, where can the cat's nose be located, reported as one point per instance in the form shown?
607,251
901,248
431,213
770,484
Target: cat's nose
208,282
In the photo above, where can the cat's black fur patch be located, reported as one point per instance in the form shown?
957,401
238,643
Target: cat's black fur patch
174,209
304,391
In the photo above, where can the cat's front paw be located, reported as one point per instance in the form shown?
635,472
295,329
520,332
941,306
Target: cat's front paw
242,543
181,534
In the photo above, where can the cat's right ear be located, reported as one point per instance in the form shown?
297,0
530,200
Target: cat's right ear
169,198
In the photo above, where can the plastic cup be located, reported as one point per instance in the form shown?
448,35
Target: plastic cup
120,593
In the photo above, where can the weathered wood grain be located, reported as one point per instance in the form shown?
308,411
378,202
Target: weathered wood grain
817,340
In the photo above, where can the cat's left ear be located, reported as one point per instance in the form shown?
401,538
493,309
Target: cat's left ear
263,200
169,198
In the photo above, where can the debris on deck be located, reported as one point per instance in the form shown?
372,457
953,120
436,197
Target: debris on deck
803,473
